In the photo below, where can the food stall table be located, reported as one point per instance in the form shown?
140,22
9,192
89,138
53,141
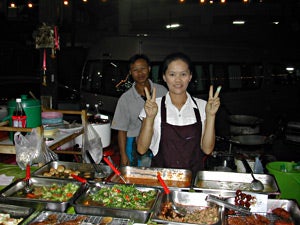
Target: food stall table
13,170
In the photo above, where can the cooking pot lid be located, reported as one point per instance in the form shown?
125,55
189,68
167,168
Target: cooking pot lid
245,120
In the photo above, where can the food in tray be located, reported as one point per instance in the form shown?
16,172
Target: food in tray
202,215
54,192
243,199
121,196
277,216
5,219
284,217
60,172
281,213
53,219
248,220
155,182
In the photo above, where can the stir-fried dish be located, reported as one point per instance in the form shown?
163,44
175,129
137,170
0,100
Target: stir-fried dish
122,196
54,192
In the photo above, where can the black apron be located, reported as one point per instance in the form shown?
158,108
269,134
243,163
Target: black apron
179,146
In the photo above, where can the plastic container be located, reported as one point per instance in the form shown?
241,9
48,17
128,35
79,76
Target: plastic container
32,108
288,178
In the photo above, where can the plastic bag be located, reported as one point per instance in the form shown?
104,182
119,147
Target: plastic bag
92,142
31,149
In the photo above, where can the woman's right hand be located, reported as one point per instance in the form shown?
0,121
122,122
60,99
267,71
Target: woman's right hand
150,106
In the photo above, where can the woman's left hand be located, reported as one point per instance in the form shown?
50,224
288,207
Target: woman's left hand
213,102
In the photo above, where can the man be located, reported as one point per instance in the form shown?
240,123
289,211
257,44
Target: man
126,118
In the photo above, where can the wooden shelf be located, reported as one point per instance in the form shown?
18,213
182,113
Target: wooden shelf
7,147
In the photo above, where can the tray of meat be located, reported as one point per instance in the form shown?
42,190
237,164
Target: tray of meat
53,194
198,210
278,212
174,178
49,217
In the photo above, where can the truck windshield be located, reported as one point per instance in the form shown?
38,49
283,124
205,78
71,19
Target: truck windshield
105,77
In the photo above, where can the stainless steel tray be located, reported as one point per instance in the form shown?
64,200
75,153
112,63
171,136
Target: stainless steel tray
289,205
217,181
85,170
7,194
16,212
188,200
89,219
140,216
174,178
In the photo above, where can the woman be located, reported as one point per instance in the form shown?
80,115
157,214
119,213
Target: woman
178,128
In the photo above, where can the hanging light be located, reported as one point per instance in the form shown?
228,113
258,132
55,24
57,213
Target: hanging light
66,2
29,4
12,4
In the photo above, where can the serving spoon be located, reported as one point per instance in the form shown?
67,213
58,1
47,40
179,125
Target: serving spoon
256,185
180,211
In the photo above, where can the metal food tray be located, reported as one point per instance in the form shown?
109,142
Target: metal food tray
188,200
140,216
173,177
217,181
89,220
81,167
6,194
16,212
289,205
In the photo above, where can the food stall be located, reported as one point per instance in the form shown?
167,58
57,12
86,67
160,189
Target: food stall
211,197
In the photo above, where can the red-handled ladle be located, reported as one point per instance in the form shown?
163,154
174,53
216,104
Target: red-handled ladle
116,171
83,180
80,179
180,211
27,187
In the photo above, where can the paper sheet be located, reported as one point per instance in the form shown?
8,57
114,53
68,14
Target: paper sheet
5,180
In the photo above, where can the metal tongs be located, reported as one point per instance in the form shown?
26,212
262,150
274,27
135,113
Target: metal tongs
98,170
216,200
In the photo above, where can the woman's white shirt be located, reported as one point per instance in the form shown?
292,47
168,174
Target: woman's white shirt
185,116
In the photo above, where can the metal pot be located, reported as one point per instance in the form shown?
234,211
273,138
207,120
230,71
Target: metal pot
244,124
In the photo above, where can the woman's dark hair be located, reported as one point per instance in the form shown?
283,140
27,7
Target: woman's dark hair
176,56
137,57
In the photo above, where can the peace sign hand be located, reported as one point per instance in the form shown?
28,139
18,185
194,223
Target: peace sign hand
150,106
213,102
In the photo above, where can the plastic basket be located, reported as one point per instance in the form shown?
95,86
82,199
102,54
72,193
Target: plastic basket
287,175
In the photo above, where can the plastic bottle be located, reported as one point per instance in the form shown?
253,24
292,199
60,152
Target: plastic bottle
19,116
258,167
97,116
89,113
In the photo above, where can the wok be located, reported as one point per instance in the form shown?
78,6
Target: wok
245,120
249,139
